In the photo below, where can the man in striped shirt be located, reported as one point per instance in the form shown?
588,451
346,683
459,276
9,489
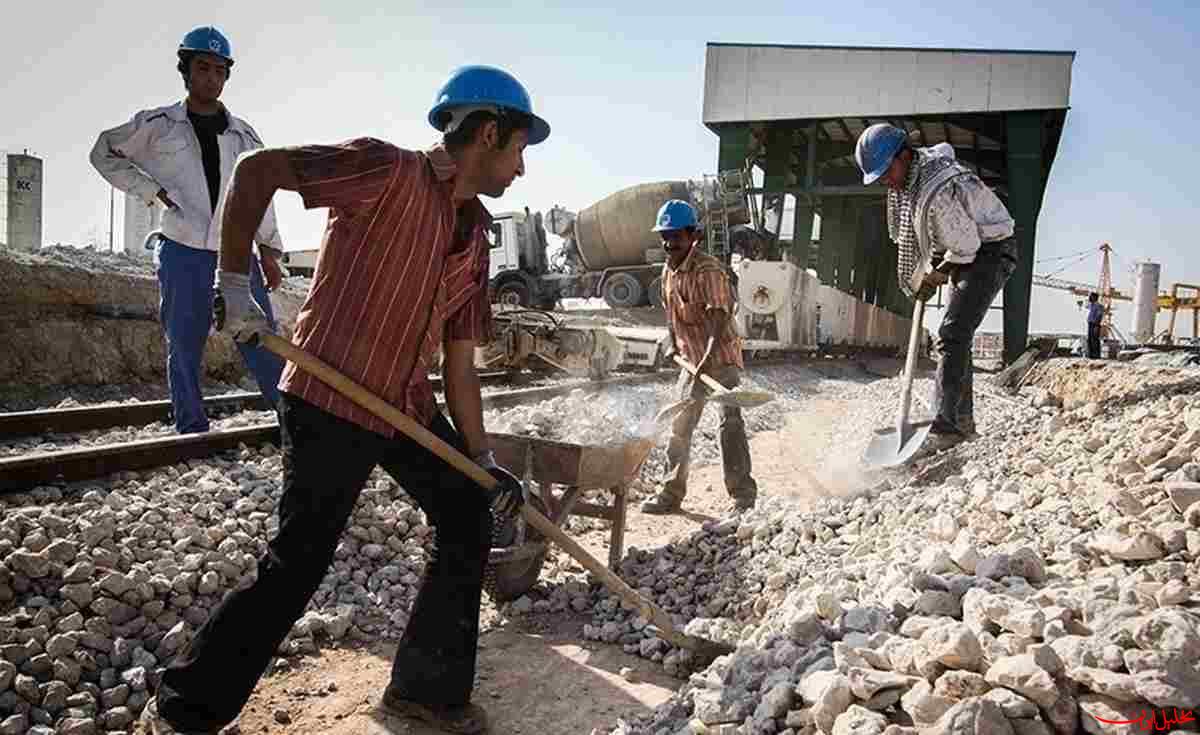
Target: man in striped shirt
402,270
698,299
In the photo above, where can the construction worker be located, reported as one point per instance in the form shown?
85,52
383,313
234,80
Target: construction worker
1095,315
951,228
181,156
403,270
698,299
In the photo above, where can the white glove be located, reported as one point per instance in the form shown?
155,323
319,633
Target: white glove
235,310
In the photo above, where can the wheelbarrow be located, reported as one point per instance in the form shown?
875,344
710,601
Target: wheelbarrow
574,468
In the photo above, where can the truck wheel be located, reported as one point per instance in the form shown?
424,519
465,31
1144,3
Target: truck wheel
622,291
513,293
654,293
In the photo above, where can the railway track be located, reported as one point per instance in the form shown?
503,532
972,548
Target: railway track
24,472
89,418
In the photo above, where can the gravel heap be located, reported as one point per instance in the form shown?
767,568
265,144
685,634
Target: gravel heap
1031,581
101,586
91,259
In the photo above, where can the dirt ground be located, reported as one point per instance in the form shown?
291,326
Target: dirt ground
537,675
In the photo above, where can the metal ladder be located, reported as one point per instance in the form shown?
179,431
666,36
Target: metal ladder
725,186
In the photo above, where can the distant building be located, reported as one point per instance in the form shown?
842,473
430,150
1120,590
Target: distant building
140,220
21,203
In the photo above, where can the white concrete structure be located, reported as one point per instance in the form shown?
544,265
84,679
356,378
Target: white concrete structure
781,306
21,202
140,221
756,82
1145,301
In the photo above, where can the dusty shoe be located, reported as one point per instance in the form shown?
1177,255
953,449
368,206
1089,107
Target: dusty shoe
467,719
153,724
940,439
744,502
662,503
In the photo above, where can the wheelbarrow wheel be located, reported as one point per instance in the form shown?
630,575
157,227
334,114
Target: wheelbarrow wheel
514,570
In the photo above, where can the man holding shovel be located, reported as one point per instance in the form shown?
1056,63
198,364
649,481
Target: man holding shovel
699,303
403,270
949,228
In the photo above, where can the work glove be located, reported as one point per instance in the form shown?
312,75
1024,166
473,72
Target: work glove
234,308
507,497
929,284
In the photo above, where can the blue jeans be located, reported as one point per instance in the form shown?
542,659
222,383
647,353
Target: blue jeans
185,287
973,288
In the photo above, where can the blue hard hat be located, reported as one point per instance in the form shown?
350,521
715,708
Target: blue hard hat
481,87
207,40
676,214
876,148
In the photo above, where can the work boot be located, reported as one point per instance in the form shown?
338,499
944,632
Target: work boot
466,719
942,436
743,502
154,724
663,503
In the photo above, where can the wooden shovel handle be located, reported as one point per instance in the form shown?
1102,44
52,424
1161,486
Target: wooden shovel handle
480,476
705,378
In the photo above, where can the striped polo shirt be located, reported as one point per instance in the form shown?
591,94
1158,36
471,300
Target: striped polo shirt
397,272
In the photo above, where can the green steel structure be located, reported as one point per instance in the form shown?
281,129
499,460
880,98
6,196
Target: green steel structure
812,160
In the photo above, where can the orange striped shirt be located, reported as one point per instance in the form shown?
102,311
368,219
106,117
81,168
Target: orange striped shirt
397,272
689,292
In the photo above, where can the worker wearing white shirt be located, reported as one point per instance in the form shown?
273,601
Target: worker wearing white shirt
182,156
944,218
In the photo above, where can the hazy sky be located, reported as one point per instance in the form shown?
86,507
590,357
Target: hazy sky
621,87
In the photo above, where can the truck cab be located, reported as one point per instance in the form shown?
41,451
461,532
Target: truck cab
519,271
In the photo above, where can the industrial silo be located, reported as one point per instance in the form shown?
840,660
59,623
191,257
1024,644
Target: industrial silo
22,217
140,220
1145,300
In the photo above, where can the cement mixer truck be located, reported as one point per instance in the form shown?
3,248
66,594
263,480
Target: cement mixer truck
608,248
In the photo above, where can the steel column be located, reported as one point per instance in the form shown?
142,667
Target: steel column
733,148
1026,185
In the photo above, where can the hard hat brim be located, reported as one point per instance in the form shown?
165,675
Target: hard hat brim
539,129
873,176
189,50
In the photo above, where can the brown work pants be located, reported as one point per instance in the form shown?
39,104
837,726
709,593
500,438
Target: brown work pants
735,449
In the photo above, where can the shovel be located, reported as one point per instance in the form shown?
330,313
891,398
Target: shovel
740,397
893,447
704,649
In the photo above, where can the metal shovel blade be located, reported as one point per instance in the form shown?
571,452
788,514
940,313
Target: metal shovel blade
741,398
894,447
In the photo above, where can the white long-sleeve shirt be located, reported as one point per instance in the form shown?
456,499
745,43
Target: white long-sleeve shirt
158,149
964,214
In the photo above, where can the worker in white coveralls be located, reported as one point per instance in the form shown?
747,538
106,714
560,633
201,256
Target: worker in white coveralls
181,156
949,228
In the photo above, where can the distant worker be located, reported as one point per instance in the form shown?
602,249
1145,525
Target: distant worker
698,299
403,272
182,156
943,218
1095,315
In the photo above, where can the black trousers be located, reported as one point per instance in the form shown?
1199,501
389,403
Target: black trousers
1093,341
326,462
973,288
